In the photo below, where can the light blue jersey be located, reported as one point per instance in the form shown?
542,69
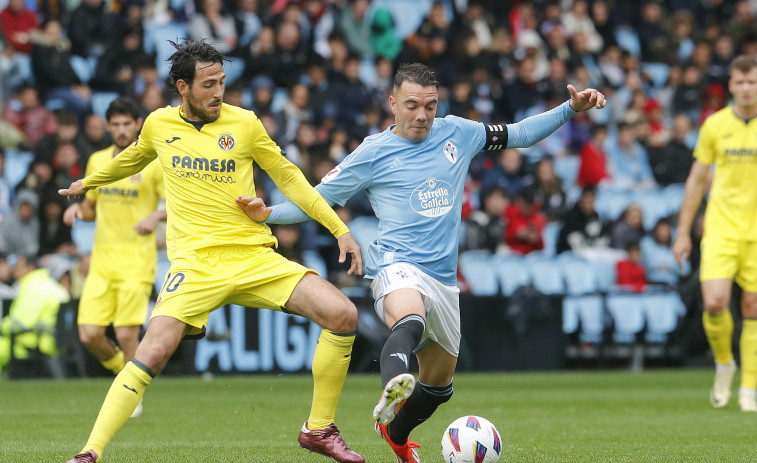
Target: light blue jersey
416,189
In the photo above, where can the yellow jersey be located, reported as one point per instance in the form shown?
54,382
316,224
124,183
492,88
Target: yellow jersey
206,166
731,144
119,251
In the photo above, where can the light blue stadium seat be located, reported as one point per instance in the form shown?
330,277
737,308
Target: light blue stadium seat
83,236
101,101
512,273
84,67
17,165
570,315
662,312
546,276
566,167
549,235
580,277
658,72
478,271
628,40
654,207
673,197
234,70
313,260
627,313
587,312
163,50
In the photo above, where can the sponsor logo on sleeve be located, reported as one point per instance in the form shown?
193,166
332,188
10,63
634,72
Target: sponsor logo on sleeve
333,173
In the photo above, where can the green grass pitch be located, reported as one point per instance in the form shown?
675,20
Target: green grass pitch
616,416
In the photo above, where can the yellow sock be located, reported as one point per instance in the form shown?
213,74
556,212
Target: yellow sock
115,363
719,331
330,364
749,354
123,397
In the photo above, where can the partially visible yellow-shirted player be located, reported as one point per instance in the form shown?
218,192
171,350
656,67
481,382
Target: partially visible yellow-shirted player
122,268
218,255
728,140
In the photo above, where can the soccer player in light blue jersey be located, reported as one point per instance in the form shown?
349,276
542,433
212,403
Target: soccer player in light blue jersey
414,173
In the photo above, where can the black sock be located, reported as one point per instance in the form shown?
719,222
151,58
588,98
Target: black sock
418,408
395,356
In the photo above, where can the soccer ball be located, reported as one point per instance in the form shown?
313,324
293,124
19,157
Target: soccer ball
471,439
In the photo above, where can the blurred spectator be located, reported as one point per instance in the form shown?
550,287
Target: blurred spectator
686,98
26,112
117,69
593,167
321,98
289,245
522,93
261,59
628,164
262,93
384,39
247,22
152,99
477,20
657,256
6,192
318,21
66,167
548,192
6,279
296,111
91,29
441,60
147,76
603,23
54,76
33,314
630,273
714,99
628,229
658,132
485,228
213,25
723,54
461,103
582,229
55,236
655,40
16,22
508,174
67,132
671,163
290,58
577,21
525,224
351,95
298,151
94,138
19,231
355,24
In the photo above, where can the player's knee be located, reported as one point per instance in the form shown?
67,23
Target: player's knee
89,338
346,319
715,304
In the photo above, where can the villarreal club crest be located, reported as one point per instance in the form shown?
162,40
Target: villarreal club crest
226,141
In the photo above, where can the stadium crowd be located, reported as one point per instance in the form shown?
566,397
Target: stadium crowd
317,73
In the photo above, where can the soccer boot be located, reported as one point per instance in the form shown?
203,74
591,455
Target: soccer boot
721,388
328,442
396,392
405,453
87,457
747,404
137,411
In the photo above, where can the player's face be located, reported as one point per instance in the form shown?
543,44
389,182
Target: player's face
414,108
743,87
123,128
203,99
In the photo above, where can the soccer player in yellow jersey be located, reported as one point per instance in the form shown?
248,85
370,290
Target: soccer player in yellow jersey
122,270
727,139
218,255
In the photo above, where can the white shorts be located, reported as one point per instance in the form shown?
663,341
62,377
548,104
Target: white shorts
442,303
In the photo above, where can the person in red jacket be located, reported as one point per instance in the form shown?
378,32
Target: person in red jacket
631,274
525,224
16,23
593,167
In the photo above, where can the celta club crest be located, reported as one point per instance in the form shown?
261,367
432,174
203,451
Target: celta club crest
226,141
136,178
450,151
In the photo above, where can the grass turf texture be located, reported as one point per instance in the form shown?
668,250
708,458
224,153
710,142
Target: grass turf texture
656,416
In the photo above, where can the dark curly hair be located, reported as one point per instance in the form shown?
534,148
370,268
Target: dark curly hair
184,60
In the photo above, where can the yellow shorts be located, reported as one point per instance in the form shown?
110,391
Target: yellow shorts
204,280
727,259
105,301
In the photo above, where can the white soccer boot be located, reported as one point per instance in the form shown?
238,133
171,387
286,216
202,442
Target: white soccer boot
721,388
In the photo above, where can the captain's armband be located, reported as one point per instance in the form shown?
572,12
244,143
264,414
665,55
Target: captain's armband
496,137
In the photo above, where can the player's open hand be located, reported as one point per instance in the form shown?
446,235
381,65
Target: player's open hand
74,191
71,214
586,99
681,248
254,207
348,245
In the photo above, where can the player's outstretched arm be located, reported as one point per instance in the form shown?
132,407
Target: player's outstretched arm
348,245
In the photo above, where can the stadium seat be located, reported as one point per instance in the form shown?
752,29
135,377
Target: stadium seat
549,235
83,236
579,275
101,101
662,311
512,273
566,167
163,50
17,165
673,197
478,271
657,72
313,260
84,67
627,313
234,70
654,207
546,276
570,315
606,273
628,40
585,314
